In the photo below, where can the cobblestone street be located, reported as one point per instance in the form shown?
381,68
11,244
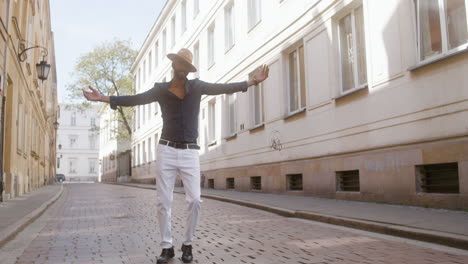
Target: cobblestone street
98,223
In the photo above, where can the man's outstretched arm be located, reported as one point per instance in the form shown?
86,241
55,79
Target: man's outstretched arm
228,88
124,100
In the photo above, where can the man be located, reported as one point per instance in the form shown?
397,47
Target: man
178,150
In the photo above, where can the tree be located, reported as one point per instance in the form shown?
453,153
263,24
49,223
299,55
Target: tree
107,69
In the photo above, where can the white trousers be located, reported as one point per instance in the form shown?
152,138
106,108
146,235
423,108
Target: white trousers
170,162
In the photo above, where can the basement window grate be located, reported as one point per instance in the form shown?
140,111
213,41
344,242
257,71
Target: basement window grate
348,181
230,183
256,183
294,182
438,178
211,183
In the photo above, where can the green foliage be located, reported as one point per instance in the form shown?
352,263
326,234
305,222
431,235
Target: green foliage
107,69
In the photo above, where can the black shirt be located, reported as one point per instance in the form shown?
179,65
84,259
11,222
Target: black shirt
180,116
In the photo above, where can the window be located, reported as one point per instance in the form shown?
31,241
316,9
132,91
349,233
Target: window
156,54
211,183
229,26
256,95
254,16
92,142
150,62
20,127
144,71
196,59
139,155
72,140
348,181
150,156
184,16
211,121
441,27
196,8
352,51
230,184
294,182
139,115
256,183
72,165
134,156
211,47
296,88
143,115
438,178
173,29
164,43
232,125
144,151
92,165
134,119
139,79
26,129
73,119
92,121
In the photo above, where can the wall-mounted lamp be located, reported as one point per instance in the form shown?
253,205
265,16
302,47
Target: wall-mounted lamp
42,68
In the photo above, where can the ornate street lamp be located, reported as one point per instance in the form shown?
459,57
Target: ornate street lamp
42,68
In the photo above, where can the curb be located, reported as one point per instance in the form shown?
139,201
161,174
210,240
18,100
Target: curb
451,240
10,232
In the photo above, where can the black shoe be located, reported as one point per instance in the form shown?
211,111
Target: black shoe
166,255
187,256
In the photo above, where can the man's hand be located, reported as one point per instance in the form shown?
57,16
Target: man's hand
260,75
93,95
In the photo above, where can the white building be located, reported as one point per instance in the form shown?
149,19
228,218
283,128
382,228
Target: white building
78,143
366,100
114,151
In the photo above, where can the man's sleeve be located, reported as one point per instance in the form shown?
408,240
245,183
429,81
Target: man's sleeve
146,97
222,88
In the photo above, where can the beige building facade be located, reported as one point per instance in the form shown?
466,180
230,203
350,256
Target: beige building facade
366,100
29,105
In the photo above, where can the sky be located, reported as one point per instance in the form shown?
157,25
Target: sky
81,25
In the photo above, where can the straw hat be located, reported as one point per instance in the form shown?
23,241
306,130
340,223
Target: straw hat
185,56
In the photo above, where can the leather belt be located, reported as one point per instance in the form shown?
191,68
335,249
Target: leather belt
179,145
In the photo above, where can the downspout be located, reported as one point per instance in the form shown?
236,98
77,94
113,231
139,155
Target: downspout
2,114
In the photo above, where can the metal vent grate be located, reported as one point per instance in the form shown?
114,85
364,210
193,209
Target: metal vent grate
348,181
256,183
211,183
230,183
438,178
294,182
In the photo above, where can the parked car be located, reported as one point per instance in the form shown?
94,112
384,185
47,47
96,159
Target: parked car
60,177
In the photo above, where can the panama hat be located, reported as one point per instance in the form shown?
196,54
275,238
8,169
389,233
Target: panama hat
185,56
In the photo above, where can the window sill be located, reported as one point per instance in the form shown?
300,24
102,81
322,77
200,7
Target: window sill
364,87
230,137
437,59
257,128
252,27
229,49
211,65
295,113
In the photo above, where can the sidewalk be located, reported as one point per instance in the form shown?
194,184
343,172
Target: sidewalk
440,226
17,213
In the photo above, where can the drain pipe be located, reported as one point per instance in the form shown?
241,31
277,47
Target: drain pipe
2,86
